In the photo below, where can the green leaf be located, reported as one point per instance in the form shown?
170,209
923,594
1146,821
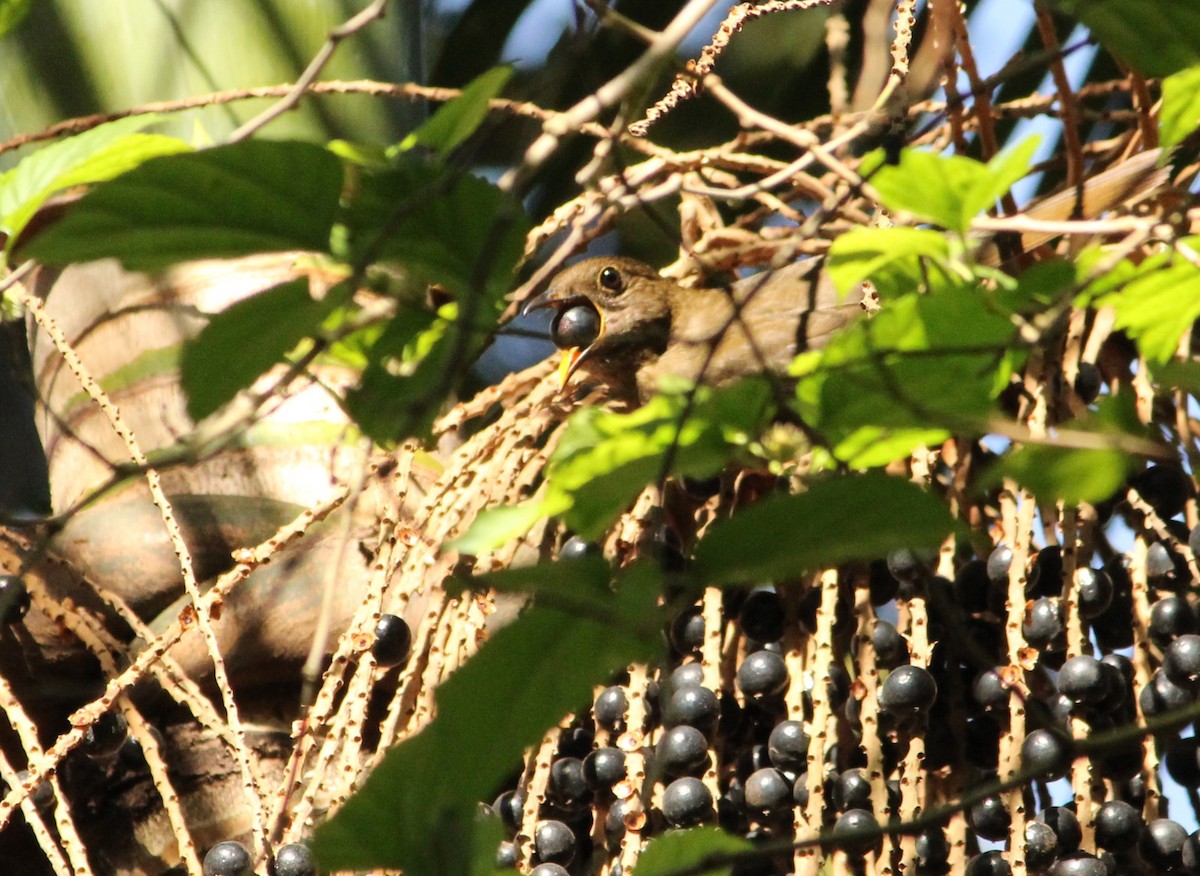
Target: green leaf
497,526
949,190
416,810
245,339
1061,473
93,156
245,198
1155,37
1180,114
413,367
1155,301
1003,171
605,459
890,257
1038,287
1054,473
882,386
457,120
575,586
1178,375
12,12
846,518
930,187
447,227
689,850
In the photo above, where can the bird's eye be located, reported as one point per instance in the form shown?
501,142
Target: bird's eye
610,279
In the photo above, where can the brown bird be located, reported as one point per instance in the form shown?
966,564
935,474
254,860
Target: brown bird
626,326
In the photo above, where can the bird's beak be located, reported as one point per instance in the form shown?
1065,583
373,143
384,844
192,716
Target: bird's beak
539,302
572,356
570,361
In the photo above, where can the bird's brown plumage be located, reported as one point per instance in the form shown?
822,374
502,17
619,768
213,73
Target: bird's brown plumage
650,326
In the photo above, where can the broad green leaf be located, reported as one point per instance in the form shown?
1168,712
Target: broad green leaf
924,366
1054,473
689,850
1065,474
846,518
412,368
890,257
1180,114
930,187
444,226
93,156
12,12
1178,375
1038,287
241,342
497,526
1003,171
1155,37
245,198
1155,301
457,120
605,459
416,810
587,577
948,190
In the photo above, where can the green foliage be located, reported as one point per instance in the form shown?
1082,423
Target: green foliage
604,459
926,365
891,258
430,221
1156,300
417,809
446,226
457,120
93,156
1180,106
948,191
1155,37
686,849
242,199
247,338
844,518
12,12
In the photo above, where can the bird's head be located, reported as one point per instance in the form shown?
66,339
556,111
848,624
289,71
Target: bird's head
611,313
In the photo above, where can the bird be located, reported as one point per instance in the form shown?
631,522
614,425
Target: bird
625,326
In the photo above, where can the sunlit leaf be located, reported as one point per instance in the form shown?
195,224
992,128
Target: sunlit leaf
1003,171
458,119
1156,301
924,366
845,518
1155,37
93,156
12,12
241,342
497,526
947,190
1180,114
250,197
416,811
1064,474
412,368
689,850
890,257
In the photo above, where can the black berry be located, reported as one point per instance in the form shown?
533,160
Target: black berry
393,640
